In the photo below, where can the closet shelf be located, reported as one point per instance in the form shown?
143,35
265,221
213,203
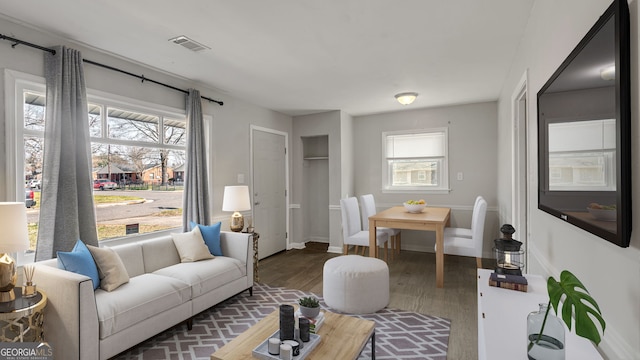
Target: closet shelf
316,158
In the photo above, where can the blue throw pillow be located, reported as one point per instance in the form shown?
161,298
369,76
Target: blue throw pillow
211,236
80,261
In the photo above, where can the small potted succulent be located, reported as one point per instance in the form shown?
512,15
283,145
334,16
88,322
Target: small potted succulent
309,307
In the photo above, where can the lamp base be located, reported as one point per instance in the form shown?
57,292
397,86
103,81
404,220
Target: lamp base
8,278
237,222
7,296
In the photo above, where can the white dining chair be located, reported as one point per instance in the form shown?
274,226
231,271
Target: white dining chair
468,242
368,204
352,232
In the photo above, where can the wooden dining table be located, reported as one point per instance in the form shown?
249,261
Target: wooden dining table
430,219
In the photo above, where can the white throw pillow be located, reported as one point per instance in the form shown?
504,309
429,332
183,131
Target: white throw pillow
110,268
191,246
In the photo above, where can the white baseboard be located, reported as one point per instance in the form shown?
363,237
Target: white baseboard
417,248
318,239
335,249
296,245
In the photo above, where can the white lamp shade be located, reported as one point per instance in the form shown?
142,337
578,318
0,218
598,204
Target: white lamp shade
236,198
13,222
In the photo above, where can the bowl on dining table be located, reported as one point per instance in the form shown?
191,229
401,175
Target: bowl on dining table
414,208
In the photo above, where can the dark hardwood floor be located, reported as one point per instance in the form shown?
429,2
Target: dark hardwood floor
412,288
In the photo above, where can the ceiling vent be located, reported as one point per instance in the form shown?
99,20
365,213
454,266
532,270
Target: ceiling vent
188,43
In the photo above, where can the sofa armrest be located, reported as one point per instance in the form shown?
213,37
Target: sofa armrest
71,317
239,246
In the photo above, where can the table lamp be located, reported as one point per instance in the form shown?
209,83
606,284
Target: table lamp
236,199
14,238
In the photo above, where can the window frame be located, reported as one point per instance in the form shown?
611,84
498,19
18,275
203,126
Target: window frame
16,83
443,188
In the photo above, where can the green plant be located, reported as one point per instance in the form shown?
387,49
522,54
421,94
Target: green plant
577,303
309,301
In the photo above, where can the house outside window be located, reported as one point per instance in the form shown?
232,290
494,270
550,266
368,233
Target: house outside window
415,161
126,145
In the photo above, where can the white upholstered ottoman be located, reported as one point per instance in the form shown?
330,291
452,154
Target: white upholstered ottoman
355,284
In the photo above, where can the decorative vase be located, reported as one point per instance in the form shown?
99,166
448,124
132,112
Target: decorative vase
309,312
550,344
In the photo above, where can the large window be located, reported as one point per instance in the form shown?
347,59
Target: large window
137,148
415,161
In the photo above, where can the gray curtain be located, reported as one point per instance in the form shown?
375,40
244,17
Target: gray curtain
66,204
195,203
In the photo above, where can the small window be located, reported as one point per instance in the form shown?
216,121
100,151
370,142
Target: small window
415,161
175,132
132,126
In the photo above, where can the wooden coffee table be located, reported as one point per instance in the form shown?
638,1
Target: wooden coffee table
341,337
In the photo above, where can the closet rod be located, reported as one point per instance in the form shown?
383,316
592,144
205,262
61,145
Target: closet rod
17,42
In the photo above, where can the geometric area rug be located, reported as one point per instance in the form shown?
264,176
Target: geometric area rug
399,334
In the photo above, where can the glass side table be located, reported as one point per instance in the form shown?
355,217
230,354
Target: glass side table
22,320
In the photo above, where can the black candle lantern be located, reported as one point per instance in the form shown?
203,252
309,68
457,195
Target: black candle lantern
509,256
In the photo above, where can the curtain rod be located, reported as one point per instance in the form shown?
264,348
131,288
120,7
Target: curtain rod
17,42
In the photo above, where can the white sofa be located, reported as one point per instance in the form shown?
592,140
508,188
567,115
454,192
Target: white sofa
84,324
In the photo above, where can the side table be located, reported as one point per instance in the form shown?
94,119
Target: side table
256,236
22,320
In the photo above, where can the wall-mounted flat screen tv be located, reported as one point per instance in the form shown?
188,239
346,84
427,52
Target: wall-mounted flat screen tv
584,132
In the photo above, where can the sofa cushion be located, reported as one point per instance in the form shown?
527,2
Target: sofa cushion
206,275
131,256
211,236
110,268
191,246
79,261
159,253
141,298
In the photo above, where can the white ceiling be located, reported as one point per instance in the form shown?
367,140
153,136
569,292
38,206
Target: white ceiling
306,56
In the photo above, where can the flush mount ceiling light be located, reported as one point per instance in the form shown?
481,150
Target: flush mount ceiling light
406,98
189,43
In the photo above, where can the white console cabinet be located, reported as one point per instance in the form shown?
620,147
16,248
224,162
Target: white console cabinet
502,321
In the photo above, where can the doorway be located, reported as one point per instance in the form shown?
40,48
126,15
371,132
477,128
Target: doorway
520,163
270,184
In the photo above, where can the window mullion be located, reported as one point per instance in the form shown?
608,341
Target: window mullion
160,129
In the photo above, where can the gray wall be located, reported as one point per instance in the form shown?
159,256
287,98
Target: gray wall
554,29
473,147
231,122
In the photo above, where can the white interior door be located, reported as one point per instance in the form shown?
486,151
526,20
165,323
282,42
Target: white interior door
269,160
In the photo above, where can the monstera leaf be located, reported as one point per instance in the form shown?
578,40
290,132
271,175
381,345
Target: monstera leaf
577,303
